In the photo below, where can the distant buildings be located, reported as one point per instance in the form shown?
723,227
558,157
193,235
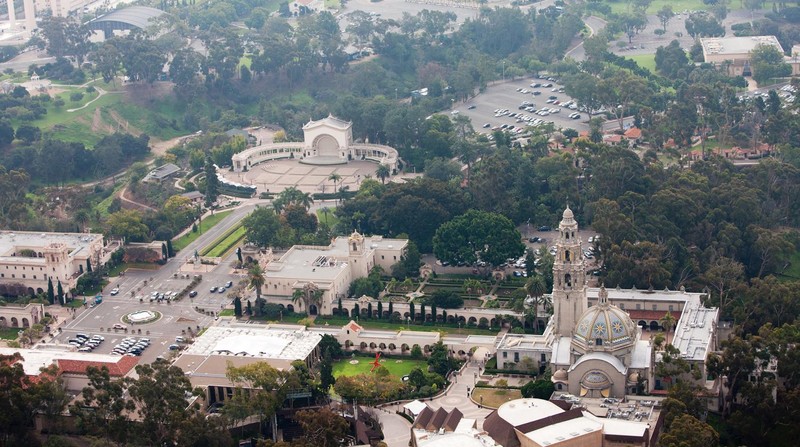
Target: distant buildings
29,259
161,173
734,52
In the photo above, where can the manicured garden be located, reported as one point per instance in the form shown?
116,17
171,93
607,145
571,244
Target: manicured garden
446,329
396,367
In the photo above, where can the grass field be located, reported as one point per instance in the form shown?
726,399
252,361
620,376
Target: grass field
221,243
793,272
397,367
9,333
494,397
205,225
327,218
620,6
647,61
228,243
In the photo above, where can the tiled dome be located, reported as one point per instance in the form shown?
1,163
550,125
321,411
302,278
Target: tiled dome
605,325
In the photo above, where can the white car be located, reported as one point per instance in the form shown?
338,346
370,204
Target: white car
115,290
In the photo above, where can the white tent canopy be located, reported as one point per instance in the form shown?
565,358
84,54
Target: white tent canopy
415,407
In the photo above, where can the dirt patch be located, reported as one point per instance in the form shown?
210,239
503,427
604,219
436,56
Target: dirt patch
98,125
123,124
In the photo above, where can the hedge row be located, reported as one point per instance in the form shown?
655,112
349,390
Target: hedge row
219,240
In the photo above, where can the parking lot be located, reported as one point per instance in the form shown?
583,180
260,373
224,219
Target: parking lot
511,95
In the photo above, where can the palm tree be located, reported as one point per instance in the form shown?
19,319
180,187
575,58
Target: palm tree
335,178
298,298
256,280
81,217
325,211
536,288
383,173
668,322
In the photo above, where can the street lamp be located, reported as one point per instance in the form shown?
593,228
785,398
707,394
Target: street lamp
504,70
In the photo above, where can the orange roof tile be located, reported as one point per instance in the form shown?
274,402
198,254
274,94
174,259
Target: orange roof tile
634,133
118,369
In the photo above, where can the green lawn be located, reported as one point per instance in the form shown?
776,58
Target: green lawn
328,218
9,333
219,244
397,367
793,272
620,6
228,243
74,126
205,225
647,61
226,313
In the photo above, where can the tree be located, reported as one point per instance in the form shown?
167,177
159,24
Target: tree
261,227
103,406
688,431
256,280
326,378
212,182
237,307
538,389
476,235
670,60
322,427
159,395
667,322
664,15
292,196
128,225
51,295
383,173
439,360
446,299
88,266
768,63
701,24
335,178
536,288
60,293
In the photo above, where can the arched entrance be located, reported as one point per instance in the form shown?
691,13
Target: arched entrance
312,309
326,146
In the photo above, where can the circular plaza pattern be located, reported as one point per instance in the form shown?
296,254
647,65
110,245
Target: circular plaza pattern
142,317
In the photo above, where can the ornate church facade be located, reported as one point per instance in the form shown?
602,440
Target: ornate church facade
592,345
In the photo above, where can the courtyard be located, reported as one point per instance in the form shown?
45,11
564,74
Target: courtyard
353,366
276,175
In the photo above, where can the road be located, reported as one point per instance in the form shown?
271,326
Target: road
176,317
595,25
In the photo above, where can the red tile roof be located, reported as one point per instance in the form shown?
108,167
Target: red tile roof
650,315
353,326
633,133
118,369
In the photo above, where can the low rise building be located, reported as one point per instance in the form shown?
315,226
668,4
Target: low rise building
734,53
206,360
28,260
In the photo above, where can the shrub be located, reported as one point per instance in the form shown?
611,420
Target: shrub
75,97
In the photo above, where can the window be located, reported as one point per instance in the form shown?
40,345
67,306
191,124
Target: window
383,257
670,308
655,307
2,275
395,258
638,306
505,354
622,306
23,276
598,342
516,357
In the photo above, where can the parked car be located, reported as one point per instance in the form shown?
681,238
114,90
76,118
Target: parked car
193,293
119,326
228,284
115,290
213,289
544,228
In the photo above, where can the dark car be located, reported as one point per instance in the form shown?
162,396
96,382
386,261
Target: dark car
544,228
213,289
533,239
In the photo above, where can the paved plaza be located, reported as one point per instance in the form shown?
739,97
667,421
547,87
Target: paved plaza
277,175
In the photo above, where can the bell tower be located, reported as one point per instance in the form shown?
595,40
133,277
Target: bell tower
569,277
